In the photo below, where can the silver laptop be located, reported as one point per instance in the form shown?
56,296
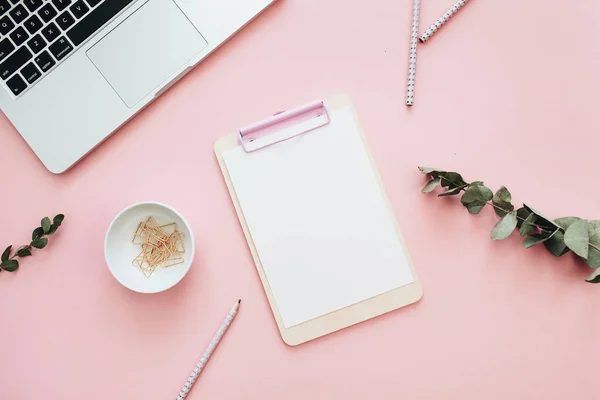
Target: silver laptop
73,71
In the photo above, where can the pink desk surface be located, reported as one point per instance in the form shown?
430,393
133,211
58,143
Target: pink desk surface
507,92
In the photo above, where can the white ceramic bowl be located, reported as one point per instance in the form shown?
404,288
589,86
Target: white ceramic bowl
119,250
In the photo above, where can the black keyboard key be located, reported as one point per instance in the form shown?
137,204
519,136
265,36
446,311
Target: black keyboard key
33,24
19,36
5,48
16,85
51,32
36,44
19,13
93,3
4,6
79,9
45,61
33,5
94,20
47,12
15,1
60,48
15,61
61,4
6,25
65,20
30,73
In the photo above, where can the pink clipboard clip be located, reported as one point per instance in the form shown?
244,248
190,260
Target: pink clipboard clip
283,126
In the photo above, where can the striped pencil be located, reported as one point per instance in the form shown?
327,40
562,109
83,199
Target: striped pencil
442,20
412,60
211,348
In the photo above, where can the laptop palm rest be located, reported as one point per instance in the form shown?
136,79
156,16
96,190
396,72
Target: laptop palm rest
146,49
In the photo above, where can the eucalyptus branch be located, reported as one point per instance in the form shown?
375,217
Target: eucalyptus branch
559,236
10,263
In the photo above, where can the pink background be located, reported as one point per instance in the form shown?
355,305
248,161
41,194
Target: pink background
507,93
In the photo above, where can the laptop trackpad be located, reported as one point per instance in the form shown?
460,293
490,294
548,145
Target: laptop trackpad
146,49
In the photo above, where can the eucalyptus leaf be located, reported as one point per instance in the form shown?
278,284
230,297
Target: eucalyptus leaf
431,185
505,226
594,277
476,194
527,226
37,233
10,265
23,252
452,180
593,259
577,238
452,192
46,224
6,254
39,243
474,209
522,214
53,228
475,198
542,220
536,238
556,244
502,195
502,199
566,222
477,183
58,220
427,170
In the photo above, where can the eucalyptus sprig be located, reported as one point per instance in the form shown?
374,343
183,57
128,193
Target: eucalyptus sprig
8,260
559,236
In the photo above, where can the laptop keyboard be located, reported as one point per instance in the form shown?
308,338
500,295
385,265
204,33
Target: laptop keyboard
36,35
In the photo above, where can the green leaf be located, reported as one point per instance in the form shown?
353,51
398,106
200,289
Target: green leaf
593,259
477,183
534,239
475,209
24,252
452,192
58,220
452,180
502,199
527,226
502,196
10,265
46,224
505,226
424,170
431,185
594,277
566,222
577,238
542,220
39,243
37,233
522,215
6,254
475,198
556,244
53,228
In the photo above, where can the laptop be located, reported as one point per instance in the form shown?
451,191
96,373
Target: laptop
73,71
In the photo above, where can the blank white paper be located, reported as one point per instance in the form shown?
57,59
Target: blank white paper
319,220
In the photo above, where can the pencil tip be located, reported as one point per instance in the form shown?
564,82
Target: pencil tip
239,301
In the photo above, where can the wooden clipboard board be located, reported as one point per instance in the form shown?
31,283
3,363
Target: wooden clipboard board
344,317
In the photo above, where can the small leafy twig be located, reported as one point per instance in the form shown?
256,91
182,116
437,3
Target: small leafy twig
10,263
559,236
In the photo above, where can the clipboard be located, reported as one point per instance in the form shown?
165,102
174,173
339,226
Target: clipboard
289,126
